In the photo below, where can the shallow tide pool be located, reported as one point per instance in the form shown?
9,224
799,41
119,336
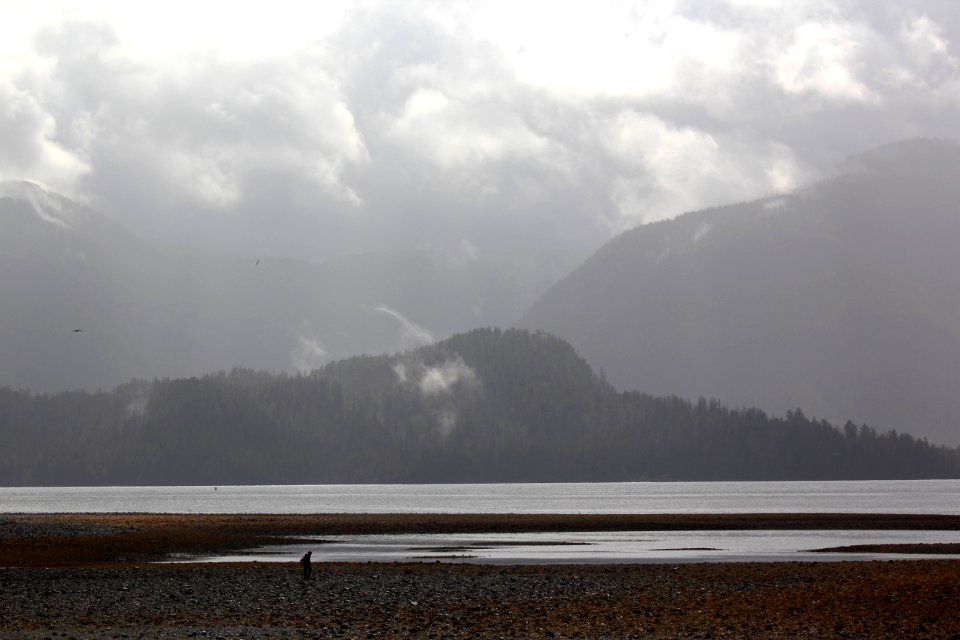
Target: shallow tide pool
594,547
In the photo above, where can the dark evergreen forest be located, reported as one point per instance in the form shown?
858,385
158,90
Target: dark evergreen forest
488,405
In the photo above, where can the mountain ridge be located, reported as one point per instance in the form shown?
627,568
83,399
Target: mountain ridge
839,298
488,405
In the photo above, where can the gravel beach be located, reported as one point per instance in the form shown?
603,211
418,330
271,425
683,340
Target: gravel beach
85,576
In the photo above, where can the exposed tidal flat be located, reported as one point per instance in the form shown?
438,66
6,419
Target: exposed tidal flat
96,576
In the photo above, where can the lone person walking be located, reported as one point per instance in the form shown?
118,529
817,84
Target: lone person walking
305,563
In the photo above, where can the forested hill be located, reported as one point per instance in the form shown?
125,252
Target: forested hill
488,405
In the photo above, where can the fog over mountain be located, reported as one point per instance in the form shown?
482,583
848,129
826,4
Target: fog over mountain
840,298
87,304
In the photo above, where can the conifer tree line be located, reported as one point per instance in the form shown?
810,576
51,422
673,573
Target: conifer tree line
489,405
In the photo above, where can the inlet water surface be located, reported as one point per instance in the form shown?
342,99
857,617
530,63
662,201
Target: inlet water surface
887,496
918,497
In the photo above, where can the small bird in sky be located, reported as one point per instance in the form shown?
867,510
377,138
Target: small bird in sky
258,260
77,330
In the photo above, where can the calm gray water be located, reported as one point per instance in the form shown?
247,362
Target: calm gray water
914,496
597,547
920,497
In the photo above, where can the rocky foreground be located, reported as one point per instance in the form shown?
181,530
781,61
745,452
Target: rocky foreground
107,591
903,599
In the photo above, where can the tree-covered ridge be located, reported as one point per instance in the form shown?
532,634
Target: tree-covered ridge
488,405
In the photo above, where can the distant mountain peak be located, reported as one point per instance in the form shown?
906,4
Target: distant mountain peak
49,206
839,297
916,154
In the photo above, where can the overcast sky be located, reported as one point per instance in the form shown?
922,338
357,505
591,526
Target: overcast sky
319,128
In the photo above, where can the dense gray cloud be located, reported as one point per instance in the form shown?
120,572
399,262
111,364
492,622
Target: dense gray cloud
532,129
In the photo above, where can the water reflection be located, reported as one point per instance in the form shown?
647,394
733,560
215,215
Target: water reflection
595,547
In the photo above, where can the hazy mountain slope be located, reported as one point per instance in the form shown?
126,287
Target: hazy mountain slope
842,298
151,312
65,267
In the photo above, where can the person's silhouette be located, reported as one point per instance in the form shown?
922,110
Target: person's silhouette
307,568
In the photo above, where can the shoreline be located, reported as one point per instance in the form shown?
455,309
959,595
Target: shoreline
119,538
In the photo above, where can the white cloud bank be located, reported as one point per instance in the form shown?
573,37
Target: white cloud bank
316,129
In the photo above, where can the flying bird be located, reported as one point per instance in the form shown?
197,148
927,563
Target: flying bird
77,330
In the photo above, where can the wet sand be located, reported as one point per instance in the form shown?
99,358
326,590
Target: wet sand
78,539
86,576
